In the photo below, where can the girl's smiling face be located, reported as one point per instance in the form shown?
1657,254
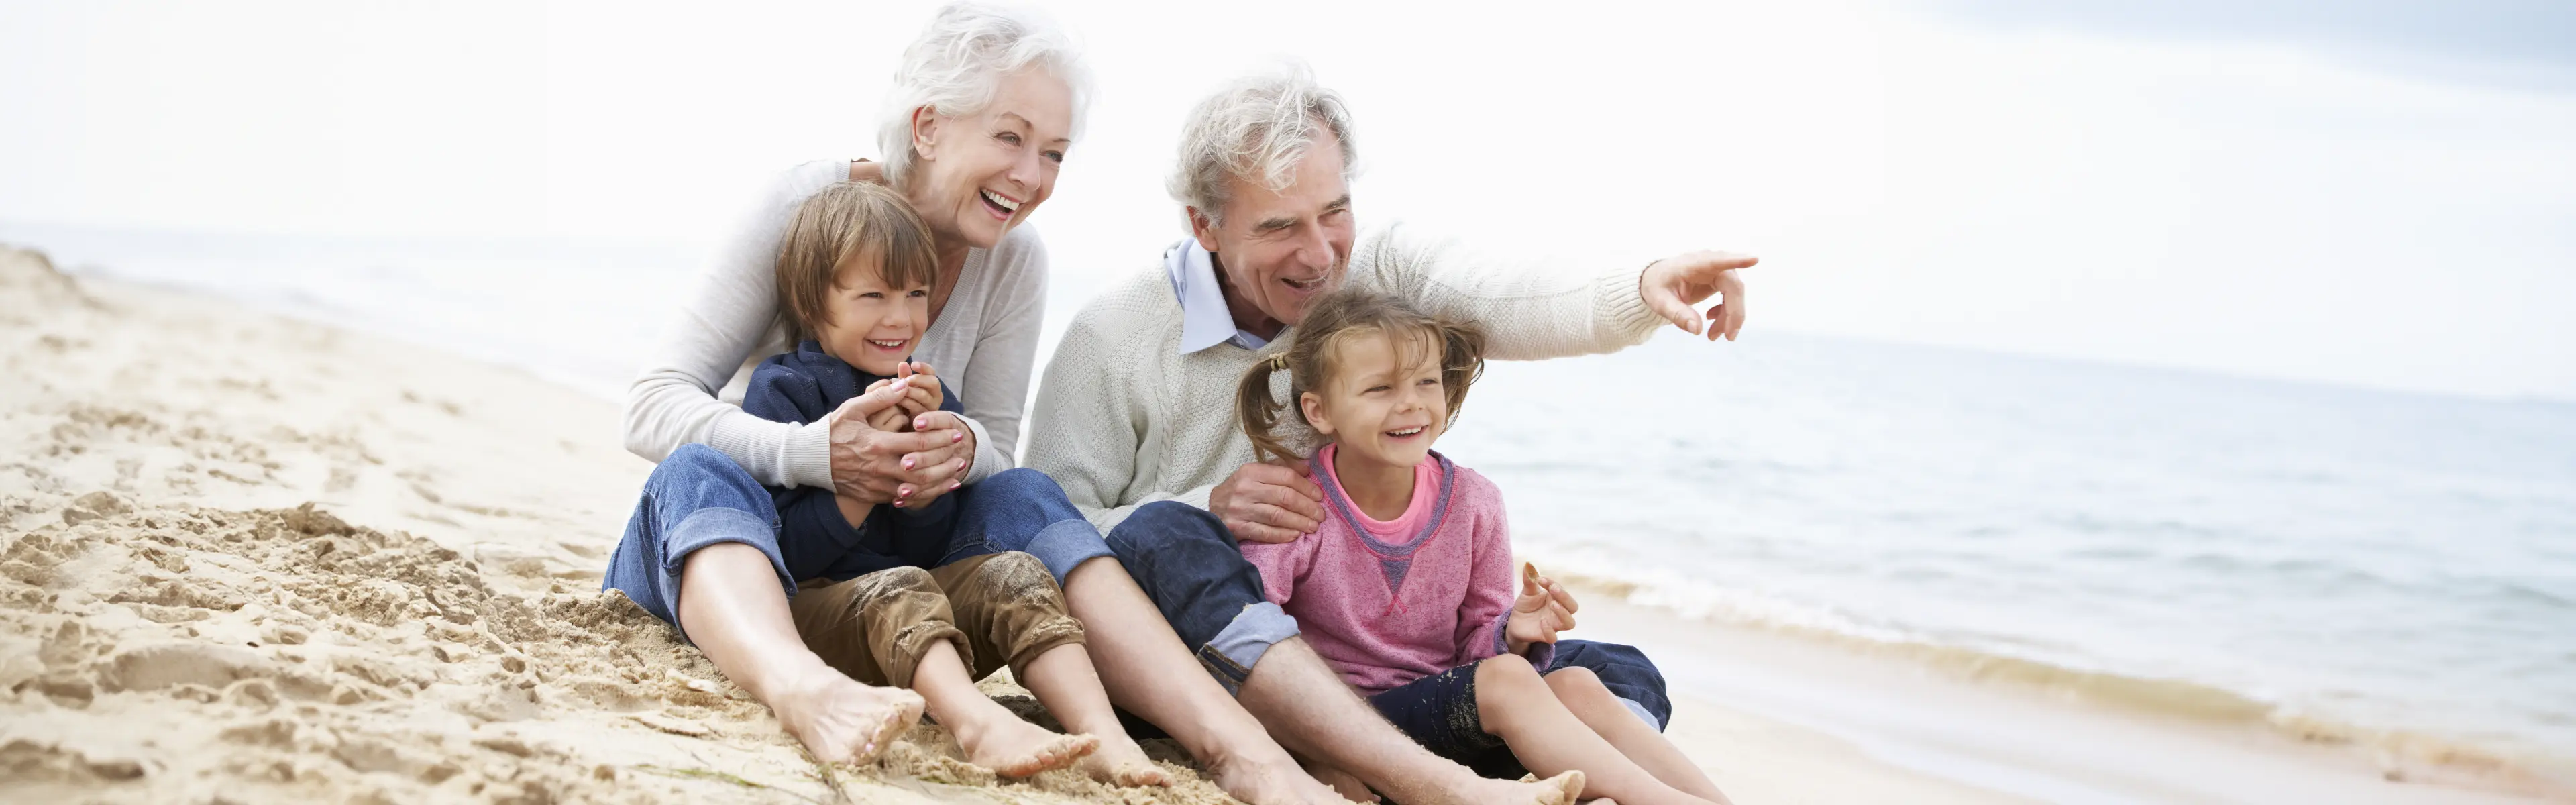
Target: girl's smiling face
1383,401
870,325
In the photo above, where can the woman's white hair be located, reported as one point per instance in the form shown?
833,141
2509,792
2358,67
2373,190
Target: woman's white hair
1258,127
958,64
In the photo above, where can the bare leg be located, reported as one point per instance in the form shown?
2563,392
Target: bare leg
1342,781
1515,704
1583,694
1145,669
1064,682
994,737
731,606
1310,710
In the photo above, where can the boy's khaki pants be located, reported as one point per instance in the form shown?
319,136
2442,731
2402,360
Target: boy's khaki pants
997,609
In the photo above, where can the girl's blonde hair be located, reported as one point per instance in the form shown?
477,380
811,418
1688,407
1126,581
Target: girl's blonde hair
1339,316
845,220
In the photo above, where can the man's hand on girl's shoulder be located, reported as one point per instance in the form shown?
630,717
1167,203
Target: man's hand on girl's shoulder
1268,502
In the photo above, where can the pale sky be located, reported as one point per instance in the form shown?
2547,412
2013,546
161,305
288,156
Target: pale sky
2380,195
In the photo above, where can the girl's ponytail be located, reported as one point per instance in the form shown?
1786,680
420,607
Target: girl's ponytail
1462,362
1258,412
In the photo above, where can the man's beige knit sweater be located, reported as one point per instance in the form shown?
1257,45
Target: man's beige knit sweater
1123,418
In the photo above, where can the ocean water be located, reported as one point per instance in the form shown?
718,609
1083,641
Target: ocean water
2393,570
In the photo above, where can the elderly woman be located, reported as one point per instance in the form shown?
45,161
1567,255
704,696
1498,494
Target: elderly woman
985,107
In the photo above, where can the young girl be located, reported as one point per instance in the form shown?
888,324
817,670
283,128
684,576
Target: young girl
1407,589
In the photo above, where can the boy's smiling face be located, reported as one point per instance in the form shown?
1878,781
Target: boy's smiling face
1384,402
871,325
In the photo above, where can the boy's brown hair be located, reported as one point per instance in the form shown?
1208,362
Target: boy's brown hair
1333,318
848,220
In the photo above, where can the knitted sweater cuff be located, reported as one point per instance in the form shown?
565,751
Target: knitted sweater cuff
809,456
804,459
1197,496
987,459
1619,306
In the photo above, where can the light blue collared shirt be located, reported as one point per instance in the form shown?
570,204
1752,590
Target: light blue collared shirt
1205,322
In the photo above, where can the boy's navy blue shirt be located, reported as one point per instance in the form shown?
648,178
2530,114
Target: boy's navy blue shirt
804,385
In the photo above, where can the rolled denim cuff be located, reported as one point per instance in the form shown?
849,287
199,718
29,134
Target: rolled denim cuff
711,526
1641,712
1066,545
1231,655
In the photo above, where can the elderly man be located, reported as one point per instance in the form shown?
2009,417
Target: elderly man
1135,413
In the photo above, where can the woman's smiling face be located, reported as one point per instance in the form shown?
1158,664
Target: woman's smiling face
977,176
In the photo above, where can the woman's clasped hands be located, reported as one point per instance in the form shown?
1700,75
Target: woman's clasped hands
893,445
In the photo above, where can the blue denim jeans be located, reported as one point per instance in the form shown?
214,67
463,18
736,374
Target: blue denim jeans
1024,510
1188,563
697,497
1441,713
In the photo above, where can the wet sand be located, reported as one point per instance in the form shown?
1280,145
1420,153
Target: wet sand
1997,735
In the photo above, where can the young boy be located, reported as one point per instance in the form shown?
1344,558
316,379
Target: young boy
854,272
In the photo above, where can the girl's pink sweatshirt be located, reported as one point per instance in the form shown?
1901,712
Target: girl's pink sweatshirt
1386,603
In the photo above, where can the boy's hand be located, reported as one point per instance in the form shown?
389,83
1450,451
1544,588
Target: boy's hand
892,418
925,388
1543,609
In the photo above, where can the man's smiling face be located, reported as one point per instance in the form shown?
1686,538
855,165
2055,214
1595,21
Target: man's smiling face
1277,251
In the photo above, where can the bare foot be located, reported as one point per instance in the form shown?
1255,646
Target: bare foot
1015,748
1562,789
842,721
1121,762
1276,783
1342,782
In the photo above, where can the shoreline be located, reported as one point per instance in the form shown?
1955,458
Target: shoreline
2008,736
428,627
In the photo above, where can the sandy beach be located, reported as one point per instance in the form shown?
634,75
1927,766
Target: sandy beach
246,558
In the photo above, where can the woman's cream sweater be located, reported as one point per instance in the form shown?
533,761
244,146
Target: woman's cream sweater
982,344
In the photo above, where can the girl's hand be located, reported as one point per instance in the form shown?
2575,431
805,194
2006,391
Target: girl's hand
924,385
1543,609
892,418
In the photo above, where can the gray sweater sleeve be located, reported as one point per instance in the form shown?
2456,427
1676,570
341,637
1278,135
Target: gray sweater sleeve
1006,350
729,318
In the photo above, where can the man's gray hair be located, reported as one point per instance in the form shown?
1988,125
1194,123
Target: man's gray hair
958,64
1257,128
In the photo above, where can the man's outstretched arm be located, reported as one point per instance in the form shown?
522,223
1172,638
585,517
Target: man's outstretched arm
1534,309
